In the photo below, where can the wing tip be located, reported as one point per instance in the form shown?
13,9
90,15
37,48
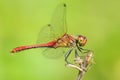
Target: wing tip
49,24
64,5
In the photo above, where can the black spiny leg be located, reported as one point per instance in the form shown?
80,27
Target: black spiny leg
85,50
79,48
67,55
76,53
77,58
82,50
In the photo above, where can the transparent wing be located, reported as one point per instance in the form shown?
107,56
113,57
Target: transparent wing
57,27
45,35
54,31
54,53
58,22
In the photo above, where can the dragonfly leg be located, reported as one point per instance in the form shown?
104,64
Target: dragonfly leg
79,48
85,50
76,53
82,50
67,55
78,58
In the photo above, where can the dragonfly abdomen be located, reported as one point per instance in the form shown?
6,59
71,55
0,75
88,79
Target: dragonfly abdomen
21,48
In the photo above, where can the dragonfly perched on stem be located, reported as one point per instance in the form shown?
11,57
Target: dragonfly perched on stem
54,38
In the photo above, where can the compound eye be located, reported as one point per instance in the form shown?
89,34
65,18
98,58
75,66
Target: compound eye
82,40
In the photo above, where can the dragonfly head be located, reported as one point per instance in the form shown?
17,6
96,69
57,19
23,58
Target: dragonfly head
81,40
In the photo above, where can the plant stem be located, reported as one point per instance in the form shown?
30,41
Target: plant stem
83,64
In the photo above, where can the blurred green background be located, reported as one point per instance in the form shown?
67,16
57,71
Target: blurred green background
21,21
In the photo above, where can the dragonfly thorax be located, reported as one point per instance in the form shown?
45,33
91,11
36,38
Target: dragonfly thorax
81,40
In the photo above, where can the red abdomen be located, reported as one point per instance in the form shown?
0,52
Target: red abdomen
21,48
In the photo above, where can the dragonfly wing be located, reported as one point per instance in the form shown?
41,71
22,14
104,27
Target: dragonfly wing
54,31
54,53
58,22
45,35
57,27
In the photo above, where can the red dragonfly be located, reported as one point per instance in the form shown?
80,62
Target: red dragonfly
54,38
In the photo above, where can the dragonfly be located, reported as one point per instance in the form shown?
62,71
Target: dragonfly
54,39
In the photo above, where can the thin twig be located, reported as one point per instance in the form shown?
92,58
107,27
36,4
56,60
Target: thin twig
83,64
73,66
